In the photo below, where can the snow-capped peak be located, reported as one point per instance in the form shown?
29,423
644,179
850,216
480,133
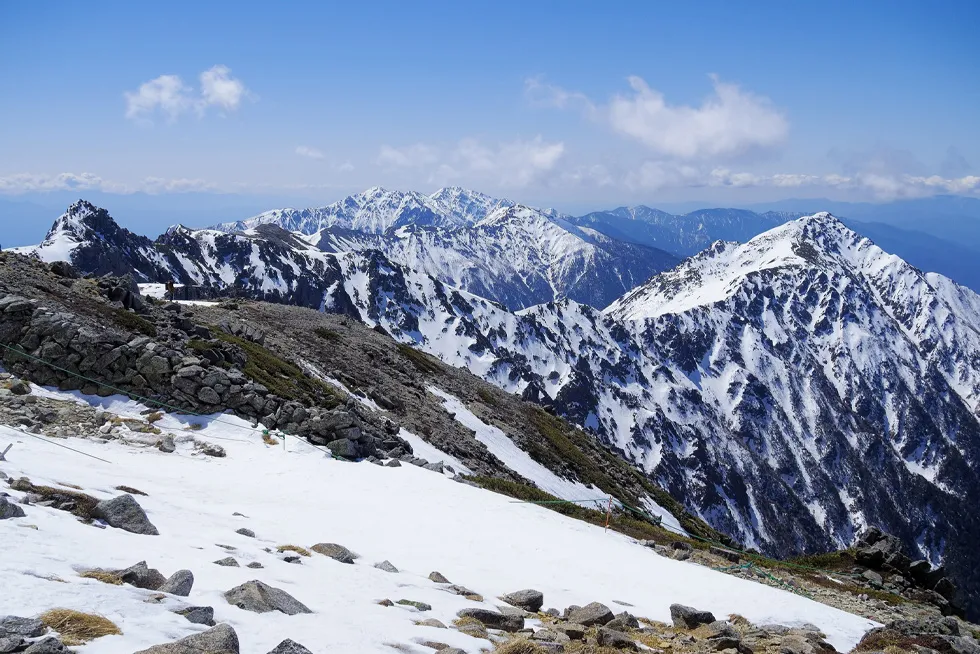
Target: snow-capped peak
713,275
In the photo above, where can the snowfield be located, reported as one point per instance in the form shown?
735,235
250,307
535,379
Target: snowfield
418,520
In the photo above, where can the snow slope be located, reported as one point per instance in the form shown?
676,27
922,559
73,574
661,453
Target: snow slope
420,521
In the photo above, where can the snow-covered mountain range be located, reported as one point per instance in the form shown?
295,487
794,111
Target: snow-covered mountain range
789,390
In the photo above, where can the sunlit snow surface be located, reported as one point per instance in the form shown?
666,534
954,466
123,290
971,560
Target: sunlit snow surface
419,520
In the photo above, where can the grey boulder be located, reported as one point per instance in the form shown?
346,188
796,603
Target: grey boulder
335,552
493,619
228,562
529,600
617,639
686,617
386,566
49,645
216,640
142,576
12,625
180,583
12,644
9,510
197,614
125,513
590,614
245,532
262,598
289,646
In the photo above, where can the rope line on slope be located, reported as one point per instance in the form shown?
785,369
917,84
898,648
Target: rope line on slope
149,400
39,437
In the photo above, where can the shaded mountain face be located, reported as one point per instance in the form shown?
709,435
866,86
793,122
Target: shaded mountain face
789,390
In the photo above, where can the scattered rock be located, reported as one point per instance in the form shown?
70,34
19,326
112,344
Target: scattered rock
262,598
12,644
590,614
624,622
198,614
573,630
386,566
421,606
254,565
20,387
685,617
50,645
394,463
245,532
529,599
386,602
210,449
438,578
617,639
142,576
725,554
290,647
124,512
167,444
335,552
221,639
9,510
432,622
228,562
12,625
493,619
722,636
179,583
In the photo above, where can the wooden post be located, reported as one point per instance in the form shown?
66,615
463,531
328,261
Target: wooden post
3,455
608,512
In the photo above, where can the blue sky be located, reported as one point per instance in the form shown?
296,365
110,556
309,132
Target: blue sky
568,104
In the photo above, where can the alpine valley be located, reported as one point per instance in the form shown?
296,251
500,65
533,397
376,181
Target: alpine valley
789,389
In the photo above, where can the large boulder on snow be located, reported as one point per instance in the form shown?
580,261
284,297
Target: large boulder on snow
217,640
125,513
262,598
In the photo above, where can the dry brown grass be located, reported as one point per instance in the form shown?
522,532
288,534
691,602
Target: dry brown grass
154,417
302,551
67,485
269,439
104,576
194,427
77,628
519,646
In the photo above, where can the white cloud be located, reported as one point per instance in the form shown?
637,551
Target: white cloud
412,156
307,151
167,94
220,89
729,123
345,167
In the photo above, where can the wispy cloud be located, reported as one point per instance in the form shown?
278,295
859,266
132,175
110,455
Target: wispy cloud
39,182
307,151
507,164
412,156
170,96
